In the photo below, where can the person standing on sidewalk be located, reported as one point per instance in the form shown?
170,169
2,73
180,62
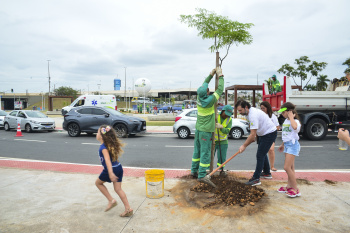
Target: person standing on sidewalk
290,146
205,125
261,126
109,152
224,126
266,108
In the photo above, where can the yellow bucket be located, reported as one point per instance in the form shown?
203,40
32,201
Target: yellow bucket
154,183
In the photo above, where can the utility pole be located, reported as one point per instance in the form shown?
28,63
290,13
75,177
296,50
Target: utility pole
48,71
125,86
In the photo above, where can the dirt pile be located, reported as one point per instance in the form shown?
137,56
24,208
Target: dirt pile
229,191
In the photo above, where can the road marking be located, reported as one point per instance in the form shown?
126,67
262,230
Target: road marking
90,143
306,146
178,146
27,140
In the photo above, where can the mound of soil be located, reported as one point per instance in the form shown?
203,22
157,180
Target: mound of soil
229,191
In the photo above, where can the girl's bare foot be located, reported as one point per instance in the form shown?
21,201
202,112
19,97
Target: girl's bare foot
127,213
111,204
273,169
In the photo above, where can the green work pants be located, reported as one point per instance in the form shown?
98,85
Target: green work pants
201,153
222,155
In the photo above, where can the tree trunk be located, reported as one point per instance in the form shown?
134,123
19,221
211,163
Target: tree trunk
216,116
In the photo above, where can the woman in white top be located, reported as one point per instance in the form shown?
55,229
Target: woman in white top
266,107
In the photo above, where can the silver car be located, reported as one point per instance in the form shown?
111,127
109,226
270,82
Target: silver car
29,121
185,125
2,117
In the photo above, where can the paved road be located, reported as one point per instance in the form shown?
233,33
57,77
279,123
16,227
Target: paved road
159,151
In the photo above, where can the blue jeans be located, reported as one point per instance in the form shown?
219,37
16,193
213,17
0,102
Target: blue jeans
262,161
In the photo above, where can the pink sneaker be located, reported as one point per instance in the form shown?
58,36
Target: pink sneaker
292,193
283,190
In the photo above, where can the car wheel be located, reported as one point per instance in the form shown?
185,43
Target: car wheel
121,130
28,128
7,126
183,132
236,133
73,130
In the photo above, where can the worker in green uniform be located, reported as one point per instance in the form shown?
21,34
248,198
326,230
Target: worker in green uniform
205,125
223,127
276,86
147,107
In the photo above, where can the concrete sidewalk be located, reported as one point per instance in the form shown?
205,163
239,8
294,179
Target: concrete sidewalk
57,197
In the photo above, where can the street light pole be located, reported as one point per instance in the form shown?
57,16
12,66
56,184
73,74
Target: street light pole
125,85
48,71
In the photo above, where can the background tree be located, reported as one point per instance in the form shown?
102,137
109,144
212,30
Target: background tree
66,91
303,69
310,87
224,32
321,84
347,63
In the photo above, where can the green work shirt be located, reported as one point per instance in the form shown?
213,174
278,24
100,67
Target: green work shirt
276,86
225,130
206,122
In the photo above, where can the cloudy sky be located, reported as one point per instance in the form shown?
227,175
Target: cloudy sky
89,42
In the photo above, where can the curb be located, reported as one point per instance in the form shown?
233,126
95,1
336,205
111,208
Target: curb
337,176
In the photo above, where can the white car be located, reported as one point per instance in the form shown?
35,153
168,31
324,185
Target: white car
29,121
2,117
185,125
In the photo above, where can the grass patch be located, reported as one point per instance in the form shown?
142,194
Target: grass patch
160,123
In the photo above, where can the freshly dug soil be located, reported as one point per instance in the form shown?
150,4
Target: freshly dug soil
229,191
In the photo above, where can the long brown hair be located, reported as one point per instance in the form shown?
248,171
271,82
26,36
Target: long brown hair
112,142
291,107
268,107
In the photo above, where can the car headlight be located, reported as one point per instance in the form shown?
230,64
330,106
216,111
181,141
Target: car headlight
135,121
245,122
35,122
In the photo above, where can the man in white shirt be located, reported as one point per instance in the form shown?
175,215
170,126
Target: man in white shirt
261,126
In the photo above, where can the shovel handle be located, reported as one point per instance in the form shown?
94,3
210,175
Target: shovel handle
228,160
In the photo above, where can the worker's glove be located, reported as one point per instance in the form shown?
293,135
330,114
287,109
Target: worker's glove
219,126
213,72
219,72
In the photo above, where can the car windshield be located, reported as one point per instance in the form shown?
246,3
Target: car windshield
3,113
36,114
114,112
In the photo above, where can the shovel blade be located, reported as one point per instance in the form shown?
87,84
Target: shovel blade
207,180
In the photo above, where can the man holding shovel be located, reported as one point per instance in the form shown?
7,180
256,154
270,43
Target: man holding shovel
205,125
261,126
223,127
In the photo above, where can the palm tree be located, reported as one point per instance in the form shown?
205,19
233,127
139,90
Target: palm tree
310,87
322,82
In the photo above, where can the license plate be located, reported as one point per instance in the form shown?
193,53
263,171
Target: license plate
144,127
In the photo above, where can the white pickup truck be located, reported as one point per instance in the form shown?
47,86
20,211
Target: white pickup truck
320,111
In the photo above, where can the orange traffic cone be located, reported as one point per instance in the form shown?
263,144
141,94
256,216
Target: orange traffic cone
19,132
